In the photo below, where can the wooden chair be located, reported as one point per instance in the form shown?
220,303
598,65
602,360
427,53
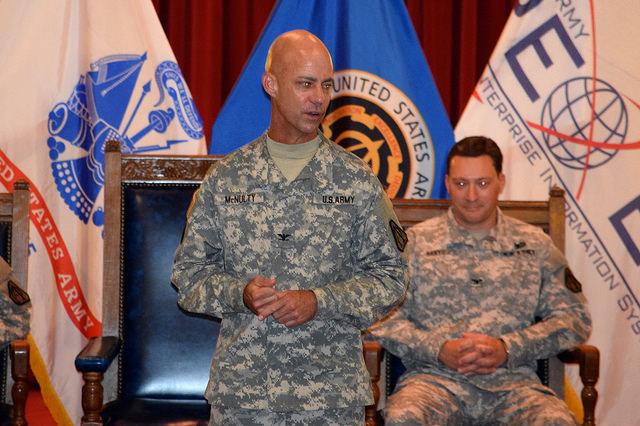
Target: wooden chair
162,354
549,215
14,247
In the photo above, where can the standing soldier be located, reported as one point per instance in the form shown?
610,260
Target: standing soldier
294,244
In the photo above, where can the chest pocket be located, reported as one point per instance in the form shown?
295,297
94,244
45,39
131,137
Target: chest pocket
515,276
329,220
243,218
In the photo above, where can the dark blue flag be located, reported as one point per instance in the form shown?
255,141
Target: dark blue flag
385,106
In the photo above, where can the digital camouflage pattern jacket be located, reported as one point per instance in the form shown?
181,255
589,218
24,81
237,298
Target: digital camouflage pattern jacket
331,230
508,285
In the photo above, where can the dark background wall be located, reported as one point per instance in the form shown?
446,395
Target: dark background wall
212,39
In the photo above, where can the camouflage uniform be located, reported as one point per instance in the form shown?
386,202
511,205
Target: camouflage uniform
14,305
331,417
496,286
329,231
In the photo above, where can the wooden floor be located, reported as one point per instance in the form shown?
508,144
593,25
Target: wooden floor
37,412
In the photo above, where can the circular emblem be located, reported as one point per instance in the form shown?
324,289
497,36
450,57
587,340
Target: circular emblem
564,113
98,111
375,120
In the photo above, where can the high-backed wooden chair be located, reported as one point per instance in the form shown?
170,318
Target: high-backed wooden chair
162,354
549,215
14,248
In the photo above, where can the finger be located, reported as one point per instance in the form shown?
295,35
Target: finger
485,349
293,323
468,358
287,308
486,362
261,281
475,337
294,318
465,345
269,309
288,318
264,292
467,369
263,300
255,297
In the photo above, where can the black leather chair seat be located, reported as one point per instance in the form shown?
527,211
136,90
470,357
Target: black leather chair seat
156,412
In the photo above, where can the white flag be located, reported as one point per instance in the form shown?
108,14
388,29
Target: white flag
74,75
561,96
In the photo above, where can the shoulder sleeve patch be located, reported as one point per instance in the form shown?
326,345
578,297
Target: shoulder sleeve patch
571,281
18,295
399,235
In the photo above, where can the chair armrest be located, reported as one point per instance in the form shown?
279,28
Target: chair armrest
588,359
98,354
19,353
92,362
372,352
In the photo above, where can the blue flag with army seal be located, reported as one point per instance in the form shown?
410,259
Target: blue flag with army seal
561,96
385,106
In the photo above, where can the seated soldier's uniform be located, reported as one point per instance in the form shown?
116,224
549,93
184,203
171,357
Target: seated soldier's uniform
15,306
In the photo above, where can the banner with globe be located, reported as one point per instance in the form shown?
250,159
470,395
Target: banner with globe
561,95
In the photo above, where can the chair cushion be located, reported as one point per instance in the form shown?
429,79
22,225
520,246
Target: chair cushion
157,412
166,353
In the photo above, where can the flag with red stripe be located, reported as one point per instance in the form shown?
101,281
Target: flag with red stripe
76,74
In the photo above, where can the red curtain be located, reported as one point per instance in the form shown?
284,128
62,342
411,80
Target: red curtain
212,39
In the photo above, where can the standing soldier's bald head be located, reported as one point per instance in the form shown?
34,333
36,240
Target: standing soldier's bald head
290,41
298,77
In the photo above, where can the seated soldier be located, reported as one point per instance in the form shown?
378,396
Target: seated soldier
14,305
487,298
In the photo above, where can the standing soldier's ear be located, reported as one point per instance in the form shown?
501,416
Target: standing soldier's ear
269,83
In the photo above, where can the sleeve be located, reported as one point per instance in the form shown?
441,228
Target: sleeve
401,335
379,279
16,312
198,268
564,318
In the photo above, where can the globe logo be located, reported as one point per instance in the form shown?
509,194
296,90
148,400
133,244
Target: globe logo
567,114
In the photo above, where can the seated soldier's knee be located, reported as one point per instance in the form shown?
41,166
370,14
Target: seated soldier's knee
532,407
554,418
417,401
418,411
403,416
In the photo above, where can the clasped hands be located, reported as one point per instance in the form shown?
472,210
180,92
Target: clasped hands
473,353
288,307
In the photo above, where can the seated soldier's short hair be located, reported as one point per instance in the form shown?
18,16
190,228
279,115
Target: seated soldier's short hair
475,146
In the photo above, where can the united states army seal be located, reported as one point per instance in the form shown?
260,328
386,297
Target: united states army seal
376,121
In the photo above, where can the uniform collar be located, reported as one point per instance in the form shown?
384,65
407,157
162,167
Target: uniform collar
319,169
500,237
